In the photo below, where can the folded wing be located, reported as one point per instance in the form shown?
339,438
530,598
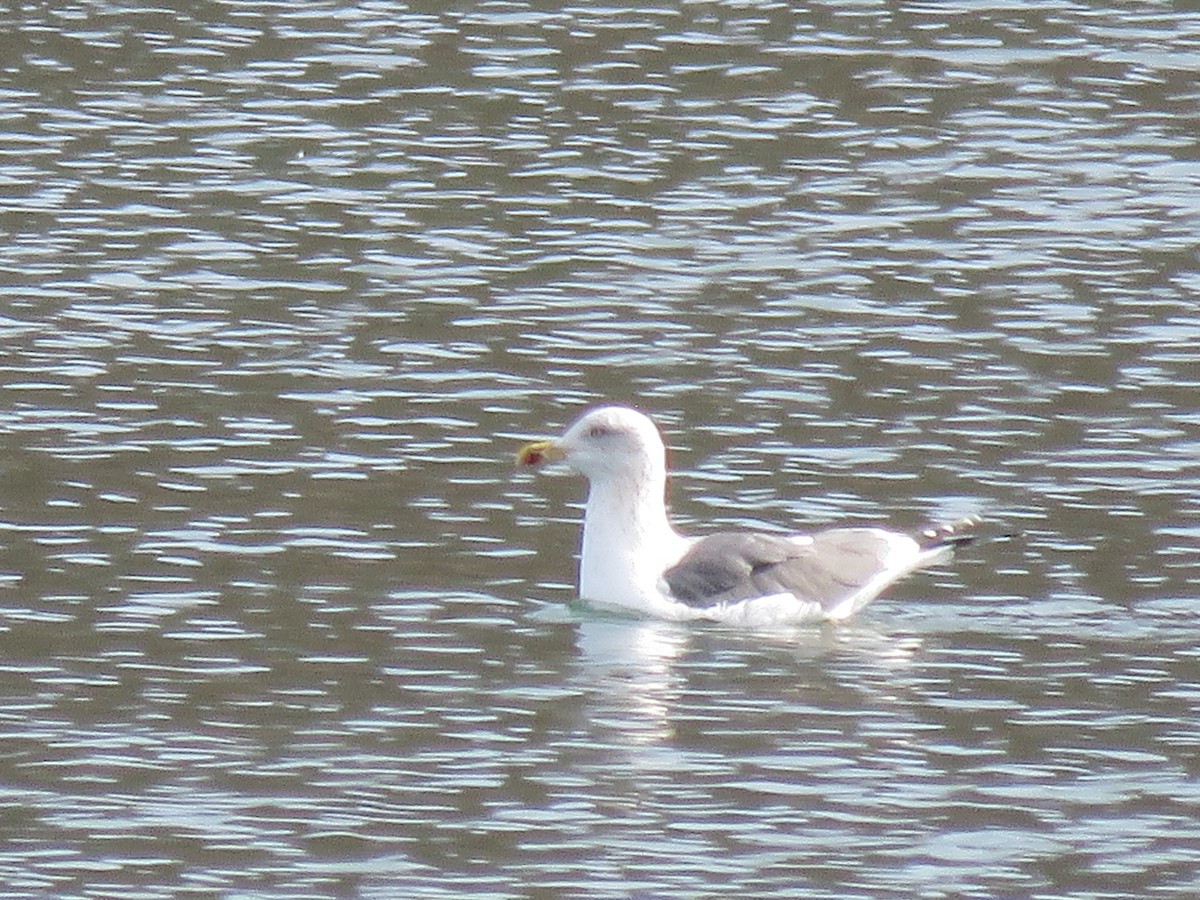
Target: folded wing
826,568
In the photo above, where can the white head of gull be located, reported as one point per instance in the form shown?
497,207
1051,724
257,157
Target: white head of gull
633,559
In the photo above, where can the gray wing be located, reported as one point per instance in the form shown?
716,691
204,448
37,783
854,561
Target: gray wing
731,566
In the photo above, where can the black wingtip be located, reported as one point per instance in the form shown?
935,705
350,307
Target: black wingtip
949,534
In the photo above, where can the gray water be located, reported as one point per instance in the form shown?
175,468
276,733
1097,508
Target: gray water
285,285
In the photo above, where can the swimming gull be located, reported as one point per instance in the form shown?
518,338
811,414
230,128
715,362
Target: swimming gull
633,559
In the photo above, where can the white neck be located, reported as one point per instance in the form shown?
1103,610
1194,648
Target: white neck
627,540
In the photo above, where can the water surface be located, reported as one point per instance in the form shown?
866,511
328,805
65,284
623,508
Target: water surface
284,287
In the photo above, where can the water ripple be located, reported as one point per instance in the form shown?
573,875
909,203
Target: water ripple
287,286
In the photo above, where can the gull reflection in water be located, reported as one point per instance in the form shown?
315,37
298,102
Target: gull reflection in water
630,666
642,680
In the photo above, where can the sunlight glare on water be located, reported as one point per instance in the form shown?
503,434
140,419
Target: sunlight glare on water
287,285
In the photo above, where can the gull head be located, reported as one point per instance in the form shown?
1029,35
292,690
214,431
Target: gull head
604,443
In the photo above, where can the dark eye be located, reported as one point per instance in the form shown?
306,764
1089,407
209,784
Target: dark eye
599,431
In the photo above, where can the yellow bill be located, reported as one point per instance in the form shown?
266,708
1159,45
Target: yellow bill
536,453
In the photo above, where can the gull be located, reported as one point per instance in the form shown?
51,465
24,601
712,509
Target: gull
633,559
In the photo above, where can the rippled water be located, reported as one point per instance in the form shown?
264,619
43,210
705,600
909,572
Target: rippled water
285,284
